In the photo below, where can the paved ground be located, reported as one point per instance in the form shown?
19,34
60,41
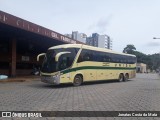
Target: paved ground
139,94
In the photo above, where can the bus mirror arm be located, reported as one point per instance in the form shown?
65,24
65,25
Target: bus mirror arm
59,54
42,54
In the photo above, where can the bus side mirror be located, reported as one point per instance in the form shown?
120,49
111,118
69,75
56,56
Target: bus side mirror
57,58
59,54
42,54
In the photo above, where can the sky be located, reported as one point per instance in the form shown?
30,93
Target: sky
125,21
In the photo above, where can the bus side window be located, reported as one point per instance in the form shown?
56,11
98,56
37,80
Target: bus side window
104,57
100,54
107,57
65,61
133,60
112,57
82,56
95,56
120,59
62,62
86,57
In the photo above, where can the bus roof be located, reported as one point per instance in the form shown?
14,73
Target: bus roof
88,47
66,46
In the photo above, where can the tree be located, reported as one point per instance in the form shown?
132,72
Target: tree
152,61
129,49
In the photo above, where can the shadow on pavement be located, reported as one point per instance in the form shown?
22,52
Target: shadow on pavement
46,86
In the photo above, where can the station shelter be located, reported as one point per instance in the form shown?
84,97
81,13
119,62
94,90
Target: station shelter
20,43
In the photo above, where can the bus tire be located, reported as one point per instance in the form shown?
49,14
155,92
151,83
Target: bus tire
121,77
77,80
126,77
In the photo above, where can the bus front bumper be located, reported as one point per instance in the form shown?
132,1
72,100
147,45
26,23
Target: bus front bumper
51,79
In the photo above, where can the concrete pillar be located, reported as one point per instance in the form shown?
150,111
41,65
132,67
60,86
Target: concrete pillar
13,58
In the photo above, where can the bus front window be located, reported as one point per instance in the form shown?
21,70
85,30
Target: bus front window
50,65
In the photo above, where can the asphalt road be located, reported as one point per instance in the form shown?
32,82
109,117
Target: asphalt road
139,94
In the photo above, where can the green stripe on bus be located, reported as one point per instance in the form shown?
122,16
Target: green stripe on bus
95,67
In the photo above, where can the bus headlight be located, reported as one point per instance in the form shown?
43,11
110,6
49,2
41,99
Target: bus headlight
56,78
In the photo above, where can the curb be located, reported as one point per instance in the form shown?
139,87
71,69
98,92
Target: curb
20,79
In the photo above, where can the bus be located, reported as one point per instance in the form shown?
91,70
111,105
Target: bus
78,63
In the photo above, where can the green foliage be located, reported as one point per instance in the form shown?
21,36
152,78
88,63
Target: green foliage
155,61
129,49
152,61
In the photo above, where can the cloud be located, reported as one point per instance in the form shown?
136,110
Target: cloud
153,44
101,25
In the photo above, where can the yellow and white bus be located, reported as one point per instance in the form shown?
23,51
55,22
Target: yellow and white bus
77,63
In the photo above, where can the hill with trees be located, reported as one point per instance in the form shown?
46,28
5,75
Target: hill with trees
152,61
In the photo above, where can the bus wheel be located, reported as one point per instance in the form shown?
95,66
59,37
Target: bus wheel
121,78
126,77
77,80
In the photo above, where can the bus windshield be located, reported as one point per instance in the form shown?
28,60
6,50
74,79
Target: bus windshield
50,65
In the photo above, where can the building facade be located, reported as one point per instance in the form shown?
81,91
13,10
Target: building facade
77,36
102,41
68,35
20,43
93,40
141,68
